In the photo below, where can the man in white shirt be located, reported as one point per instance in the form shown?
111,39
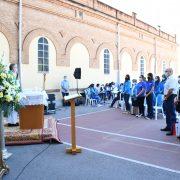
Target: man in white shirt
64,89
170,92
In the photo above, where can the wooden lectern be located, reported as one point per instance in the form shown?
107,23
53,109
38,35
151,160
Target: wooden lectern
71,98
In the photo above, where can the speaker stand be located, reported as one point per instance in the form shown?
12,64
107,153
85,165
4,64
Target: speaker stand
77,86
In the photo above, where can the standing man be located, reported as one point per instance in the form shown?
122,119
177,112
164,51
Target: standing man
64,88
12,118
170,92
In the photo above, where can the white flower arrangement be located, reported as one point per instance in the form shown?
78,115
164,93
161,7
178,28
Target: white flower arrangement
9,91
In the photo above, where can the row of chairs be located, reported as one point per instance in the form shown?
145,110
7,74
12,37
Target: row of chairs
158,107
91,101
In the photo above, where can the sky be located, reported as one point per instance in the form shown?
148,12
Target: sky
165,13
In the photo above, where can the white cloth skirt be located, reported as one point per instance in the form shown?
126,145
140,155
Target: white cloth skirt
13,118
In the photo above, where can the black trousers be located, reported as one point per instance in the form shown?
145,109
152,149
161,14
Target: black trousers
126,99
170,111
140,101
114,100
63,102
149,101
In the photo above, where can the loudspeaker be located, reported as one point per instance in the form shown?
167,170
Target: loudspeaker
77,73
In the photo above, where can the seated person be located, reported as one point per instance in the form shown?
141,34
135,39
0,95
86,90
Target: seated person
108,91
94,93
117,98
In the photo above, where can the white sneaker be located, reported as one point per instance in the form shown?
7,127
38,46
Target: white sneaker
99,105
126,112
139,115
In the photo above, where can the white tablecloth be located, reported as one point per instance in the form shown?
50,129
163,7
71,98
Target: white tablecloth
34,98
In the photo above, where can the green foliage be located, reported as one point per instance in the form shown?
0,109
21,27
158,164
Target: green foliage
9,91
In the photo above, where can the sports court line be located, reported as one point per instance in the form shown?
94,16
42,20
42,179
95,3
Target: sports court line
122,135
84,114
127,159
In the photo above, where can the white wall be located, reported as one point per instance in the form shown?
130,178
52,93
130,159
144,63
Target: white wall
4,49
105,78
152,63
126,67
79,57
31,78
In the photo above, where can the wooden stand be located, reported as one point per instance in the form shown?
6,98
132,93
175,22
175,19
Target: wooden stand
31,117
73,150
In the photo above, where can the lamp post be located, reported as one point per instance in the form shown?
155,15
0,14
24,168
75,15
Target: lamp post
20,43
3,167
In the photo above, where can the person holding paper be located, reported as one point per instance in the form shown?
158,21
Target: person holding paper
64,88
12,118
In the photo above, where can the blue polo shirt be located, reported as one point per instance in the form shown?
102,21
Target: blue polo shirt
134,90
139,87
161,87
149,85
127,87
156,87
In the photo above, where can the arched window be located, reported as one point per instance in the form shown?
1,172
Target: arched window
164,67
142,66
106,61
43,55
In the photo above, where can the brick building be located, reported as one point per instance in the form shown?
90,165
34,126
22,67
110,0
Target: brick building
59,35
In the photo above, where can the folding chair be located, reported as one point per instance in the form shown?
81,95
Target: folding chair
88,99
159,105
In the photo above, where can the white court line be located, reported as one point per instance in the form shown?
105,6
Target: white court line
127,159
122,135
84,114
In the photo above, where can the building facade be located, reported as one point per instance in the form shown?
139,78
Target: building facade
60,35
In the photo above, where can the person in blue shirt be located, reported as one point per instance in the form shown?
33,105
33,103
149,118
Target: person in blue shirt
127,92
141,90
157,85
150,95
161,85
94,93
134,110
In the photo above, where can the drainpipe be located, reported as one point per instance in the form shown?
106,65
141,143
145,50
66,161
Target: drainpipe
155,54
20,43
118,51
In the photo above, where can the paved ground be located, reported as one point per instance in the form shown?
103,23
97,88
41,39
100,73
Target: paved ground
115,147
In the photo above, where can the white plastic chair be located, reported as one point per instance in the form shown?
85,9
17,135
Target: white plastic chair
88,99
159,105
145,107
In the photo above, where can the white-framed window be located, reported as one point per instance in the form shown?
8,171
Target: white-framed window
142,66
43,55
106,61
163,67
